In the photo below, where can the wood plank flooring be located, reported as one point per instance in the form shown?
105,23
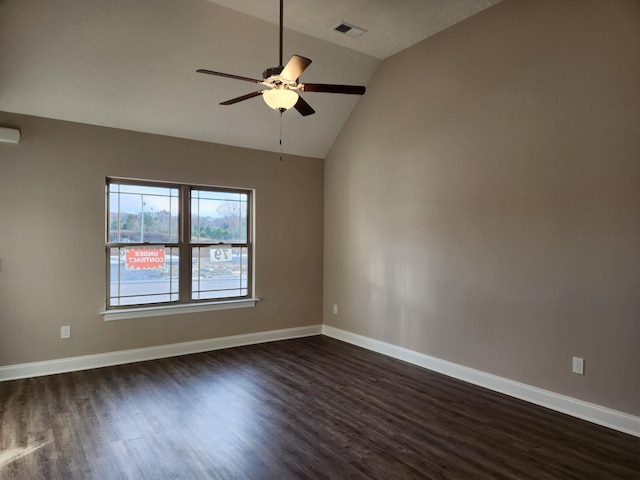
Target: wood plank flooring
313,408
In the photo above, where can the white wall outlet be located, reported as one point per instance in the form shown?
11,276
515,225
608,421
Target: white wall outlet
335,309
578,365
65,331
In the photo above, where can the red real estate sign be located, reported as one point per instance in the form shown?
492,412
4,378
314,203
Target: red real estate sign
144,258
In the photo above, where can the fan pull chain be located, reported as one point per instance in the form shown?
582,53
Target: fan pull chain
280,135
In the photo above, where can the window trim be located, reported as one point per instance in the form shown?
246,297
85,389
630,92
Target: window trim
175,309
185,303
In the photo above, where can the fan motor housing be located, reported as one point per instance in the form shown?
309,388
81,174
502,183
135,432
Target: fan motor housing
272,72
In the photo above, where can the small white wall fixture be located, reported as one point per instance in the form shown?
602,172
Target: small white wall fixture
9,135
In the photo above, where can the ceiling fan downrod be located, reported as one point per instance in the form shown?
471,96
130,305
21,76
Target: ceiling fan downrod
281,65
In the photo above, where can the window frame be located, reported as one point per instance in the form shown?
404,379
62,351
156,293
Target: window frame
185,246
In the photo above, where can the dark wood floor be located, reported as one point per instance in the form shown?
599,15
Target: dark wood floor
305,408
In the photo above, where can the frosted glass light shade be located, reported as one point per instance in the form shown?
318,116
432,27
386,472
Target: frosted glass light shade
280,98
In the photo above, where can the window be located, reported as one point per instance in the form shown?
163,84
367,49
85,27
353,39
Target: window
173,244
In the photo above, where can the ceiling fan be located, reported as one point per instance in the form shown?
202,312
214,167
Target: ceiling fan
282,85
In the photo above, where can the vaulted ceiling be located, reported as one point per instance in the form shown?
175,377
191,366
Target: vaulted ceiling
131,65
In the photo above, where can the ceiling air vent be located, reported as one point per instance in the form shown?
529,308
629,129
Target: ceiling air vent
350,30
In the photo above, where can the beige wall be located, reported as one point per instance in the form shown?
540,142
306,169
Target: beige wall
482,204
52,231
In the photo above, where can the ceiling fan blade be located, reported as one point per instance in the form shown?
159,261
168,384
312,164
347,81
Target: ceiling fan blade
329,88
228,75
244,97
303,107
295,67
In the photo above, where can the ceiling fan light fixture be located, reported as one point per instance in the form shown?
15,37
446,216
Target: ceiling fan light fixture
281,81
280,98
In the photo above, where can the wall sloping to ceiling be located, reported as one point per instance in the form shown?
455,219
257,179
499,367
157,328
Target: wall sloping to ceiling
481,204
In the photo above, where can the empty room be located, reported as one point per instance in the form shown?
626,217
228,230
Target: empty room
286,239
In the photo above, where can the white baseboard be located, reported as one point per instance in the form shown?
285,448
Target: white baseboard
614,419
86,362
607,417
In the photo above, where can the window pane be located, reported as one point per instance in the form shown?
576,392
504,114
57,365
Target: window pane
152,216
143,275
140,214
218,217
219,272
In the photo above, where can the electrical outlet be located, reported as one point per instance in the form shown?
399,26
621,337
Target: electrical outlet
65,331
578,365
335,309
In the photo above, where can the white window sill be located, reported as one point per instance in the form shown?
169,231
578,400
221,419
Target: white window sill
140,312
